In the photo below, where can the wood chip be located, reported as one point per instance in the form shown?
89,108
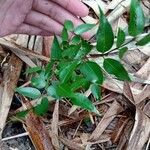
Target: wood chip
54,132
38,133
10,79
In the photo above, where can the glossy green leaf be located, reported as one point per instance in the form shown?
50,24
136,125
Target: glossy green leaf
122,51
58,90
114,67
144,40
82,101
96,91
52,90
56,52
92,72
69,25
63,63
71,51
64,35
22,114
83,28
64,45
33,70
64,90
137,19
42,108
29,92
105,36
76,39
120,37
80,83
38,82
86,47
48,69
66,73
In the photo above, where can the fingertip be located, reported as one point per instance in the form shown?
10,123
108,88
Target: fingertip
84,12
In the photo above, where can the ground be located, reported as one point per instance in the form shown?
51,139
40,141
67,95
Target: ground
125,107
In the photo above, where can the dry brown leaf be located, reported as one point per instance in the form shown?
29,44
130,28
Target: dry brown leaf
117,86
119,10
119,129
128,93
103,138
125,136
141,131
71,145
114,109
143,95
24,51
144,72
146,109
63,111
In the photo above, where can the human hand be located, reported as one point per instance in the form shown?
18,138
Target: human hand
38,17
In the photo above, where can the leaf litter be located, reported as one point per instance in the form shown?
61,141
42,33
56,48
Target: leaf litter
125,119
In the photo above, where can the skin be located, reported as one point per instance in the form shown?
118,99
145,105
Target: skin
38,17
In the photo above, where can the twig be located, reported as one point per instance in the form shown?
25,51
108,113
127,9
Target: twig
15,136
148,144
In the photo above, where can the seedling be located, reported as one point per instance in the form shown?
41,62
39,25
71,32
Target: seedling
70,73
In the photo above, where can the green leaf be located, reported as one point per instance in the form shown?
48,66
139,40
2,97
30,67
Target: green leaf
64,45
71,51
120,37
122,51
33,70
80,83
82,101
29,92
22,114
137,19
56,52
64,35
42,108
58,90
86,47
64,90
52,90
83,28
92,72
114,67
69,25
144,40
48,69
76,39
96,91
66,73
38,82
105,36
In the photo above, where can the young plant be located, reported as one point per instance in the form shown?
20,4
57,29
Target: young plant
70,73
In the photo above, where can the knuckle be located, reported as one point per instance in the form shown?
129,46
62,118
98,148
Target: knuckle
42,23
53,12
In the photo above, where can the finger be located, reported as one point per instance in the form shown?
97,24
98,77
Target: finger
58,13
43,22
55,11
74,6
31,30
